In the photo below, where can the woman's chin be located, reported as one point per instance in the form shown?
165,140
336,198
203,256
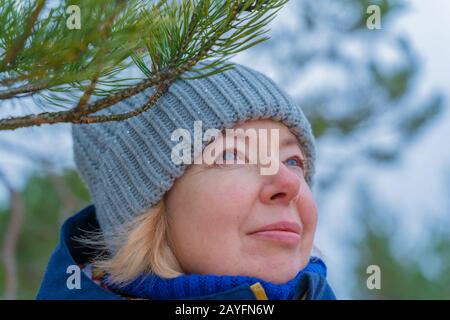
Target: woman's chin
281,277
276,276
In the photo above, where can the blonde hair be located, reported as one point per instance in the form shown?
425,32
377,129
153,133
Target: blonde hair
143,246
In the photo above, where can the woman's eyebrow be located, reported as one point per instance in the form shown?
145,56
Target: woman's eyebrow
289,142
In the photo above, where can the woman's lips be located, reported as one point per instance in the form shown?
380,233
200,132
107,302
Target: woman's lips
282,236
284,231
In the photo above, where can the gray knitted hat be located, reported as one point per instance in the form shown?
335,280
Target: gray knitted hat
127,165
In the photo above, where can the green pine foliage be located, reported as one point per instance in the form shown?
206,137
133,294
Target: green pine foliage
66,57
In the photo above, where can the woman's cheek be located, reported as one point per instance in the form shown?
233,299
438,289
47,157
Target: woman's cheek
308,210
229,201
231,185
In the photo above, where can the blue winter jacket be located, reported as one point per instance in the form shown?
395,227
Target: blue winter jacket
68,254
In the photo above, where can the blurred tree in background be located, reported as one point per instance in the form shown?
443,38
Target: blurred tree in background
47,200
419,273
359,83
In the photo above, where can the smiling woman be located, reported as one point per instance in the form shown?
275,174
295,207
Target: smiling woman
251,224
219,230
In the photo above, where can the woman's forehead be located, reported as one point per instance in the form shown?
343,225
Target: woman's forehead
262,124
286,137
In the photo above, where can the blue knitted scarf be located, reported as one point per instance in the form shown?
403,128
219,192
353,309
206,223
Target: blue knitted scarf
151,286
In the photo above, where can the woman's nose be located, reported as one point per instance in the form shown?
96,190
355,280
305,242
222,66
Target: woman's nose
281,187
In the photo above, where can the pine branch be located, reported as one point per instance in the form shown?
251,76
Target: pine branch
17,92
11,55
163,40
103,31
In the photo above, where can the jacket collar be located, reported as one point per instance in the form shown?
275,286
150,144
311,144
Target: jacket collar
63,278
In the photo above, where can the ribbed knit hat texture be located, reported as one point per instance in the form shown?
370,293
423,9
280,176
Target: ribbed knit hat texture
127,164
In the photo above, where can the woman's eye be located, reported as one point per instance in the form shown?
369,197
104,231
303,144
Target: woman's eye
295,162
228,156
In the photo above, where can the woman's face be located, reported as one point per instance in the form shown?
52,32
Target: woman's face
215,211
